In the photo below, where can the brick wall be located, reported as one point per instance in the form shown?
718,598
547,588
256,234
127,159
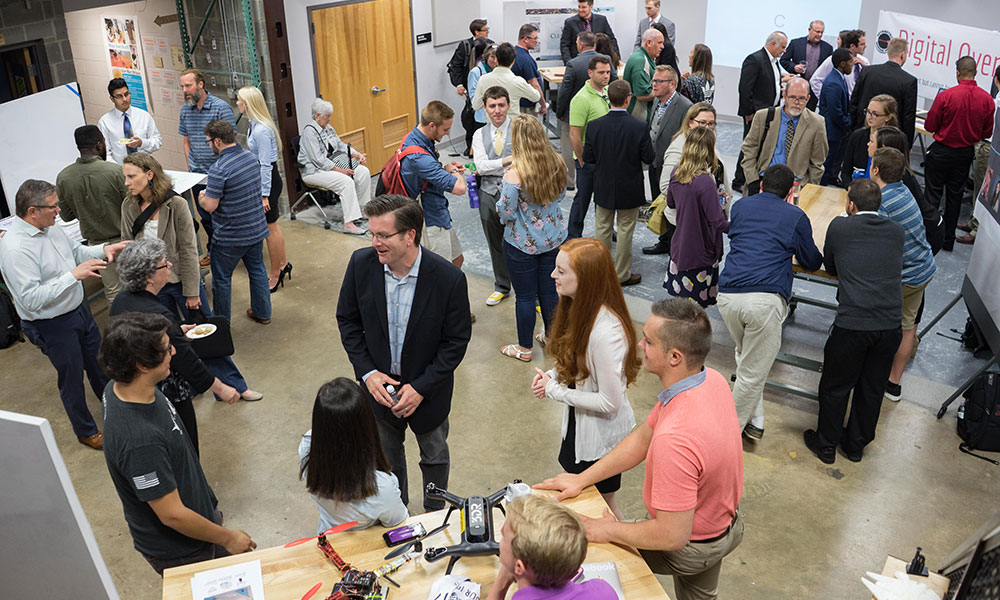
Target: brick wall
22,21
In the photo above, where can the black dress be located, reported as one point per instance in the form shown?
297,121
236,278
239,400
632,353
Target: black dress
855,155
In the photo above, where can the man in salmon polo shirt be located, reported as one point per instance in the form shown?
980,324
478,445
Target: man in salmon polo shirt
691,442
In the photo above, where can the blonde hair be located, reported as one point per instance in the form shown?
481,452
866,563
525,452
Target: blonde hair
698,155
542,170
548,537
161,187
257,109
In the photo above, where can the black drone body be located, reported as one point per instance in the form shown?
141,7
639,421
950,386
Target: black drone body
477,531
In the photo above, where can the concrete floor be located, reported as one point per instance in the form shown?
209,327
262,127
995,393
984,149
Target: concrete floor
812,529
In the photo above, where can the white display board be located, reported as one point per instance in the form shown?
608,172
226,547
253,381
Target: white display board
451,20
47,545
39,133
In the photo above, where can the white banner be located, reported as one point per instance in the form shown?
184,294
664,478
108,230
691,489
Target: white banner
934,48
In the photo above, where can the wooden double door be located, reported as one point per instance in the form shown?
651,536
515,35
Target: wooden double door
364,66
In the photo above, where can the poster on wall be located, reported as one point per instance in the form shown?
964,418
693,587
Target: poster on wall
124,54
984,273
549,16
934,48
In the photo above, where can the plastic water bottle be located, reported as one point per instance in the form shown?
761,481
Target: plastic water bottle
470,181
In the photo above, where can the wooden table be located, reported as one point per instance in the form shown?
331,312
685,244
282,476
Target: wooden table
553,75
289,573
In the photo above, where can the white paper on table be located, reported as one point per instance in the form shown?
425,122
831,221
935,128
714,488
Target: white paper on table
237,582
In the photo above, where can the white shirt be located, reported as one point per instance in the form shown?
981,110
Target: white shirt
112,125
484,165
603,414
515,85
37,265
816,81
777,79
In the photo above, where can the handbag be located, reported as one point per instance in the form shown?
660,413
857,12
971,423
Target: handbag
217,345
176,388
657,222
979,417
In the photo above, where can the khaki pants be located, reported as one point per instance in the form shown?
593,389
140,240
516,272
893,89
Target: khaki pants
754,321
696,567
109,276
566,150
604,224
354,191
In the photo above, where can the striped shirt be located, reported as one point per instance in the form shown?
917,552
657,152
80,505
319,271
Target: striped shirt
399,302
192,126
235,180
899,205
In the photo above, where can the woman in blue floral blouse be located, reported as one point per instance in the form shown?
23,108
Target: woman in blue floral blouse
533,228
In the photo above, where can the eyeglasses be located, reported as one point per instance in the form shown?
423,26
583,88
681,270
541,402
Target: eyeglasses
165,265
708,124
662,80
798,98
122,96
381,236
872,113
52,206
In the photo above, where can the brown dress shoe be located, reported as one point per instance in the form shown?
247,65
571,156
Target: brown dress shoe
205,261
95,441
634,279
965,227
965,239
254,317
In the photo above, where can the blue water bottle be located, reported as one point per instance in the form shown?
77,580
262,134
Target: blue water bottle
470,181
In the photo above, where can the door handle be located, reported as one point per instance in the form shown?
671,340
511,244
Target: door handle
377,90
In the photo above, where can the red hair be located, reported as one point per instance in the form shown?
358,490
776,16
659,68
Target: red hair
595,273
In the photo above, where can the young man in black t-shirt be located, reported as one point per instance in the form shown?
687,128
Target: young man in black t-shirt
169,507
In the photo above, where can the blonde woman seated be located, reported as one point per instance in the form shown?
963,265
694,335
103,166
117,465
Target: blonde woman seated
325,164
594,343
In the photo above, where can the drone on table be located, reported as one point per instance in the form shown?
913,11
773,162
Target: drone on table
477,520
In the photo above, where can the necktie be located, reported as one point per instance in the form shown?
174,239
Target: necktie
789,136
498,142
128,132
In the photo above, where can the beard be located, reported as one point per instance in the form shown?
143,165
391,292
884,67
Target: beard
192,99
793,111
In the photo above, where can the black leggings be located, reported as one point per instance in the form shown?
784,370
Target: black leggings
567,458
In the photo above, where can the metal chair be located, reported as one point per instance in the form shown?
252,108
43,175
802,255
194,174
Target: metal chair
310,191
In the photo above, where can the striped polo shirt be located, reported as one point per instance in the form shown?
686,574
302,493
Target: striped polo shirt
235,180
899,205
192,125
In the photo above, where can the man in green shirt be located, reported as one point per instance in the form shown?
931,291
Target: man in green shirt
639,72
590,103
92,190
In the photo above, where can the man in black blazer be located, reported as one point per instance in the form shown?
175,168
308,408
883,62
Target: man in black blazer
888,78
404,321
584,20
618,144
760,87
805,54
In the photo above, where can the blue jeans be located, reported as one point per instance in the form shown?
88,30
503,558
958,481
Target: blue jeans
172,296
224,261
581,200
531,276
71,342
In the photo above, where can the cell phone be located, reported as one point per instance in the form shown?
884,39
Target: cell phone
401,535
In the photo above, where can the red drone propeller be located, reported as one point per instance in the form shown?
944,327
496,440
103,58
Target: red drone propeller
330,531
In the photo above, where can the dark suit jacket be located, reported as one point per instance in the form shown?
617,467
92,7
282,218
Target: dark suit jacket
672,120
757,89
619,144
574,79
574,25
887,78
834,106
437,332
796,53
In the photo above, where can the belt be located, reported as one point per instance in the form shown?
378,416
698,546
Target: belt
721,535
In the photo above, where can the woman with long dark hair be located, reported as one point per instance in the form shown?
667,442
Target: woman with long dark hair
605,47
699,84
341,459
594,343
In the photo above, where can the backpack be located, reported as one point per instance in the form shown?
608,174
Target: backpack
979,417
10,322
972,338
391,179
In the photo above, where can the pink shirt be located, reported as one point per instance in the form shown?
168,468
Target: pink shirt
695,458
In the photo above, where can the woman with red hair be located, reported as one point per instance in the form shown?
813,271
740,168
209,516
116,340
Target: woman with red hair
594,343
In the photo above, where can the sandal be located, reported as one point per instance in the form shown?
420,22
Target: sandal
512,351
542,339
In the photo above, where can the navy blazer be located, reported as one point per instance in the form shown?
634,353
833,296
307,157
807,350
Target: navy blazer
796,53
834,106
574,25
437,332
619,144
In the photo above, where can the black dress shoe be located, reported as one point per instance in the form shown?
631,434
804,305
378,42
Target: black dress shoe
826,455
656,248
852,456
948,246
633,280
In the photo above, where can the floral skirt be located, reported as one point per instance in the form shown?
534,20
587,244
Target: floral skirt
700,284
